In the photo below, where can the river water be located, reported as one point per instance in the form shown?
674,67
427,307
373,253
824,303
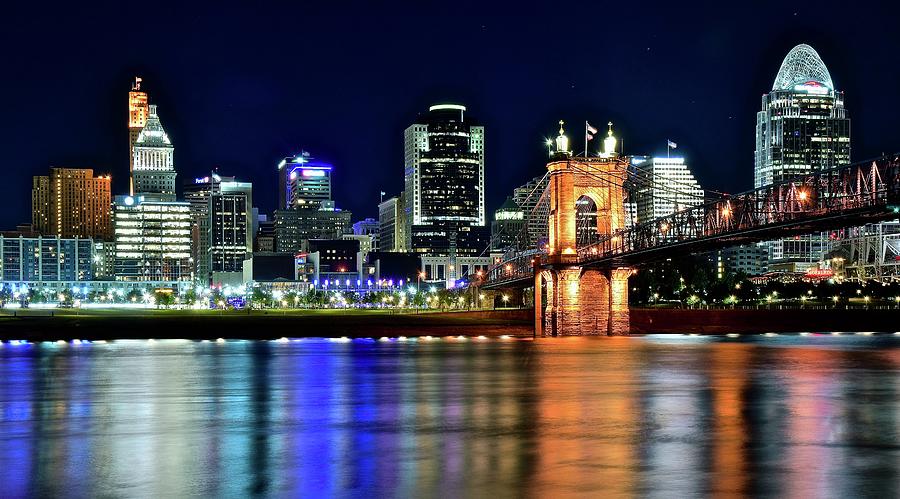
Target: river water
664,416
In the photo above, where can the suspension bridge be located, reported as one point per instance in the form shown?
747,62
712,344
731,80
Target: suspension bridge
579,245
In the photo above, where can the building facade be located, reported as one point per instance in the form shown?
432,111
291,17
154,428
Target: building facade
153,240
230,239
303,182
802,128
221,224
367,227
535,208
295,227
508,227
663,186
391,225
444,178
27,260
153,166
138,112
72,202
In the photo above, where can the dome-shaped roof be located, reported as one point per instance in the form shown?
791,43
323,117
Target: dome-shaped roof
801,65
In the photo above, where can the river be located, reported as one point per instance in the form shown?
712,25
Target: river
663,416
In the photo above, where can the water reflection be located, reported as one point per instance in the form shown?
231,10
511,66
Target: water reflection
667,417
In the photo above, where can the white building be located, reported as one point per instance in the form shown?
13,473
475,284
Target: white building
153,240
663,186
153,172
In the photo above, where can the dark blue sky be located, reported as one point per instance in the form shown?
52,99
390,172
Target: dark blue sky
241,86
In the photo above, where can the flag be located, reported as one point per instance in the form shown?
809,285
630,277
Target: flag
383,193
589,130
672,144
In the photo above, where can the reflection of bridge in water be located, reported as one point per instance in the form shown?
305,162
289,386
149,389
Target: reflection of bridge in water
580,278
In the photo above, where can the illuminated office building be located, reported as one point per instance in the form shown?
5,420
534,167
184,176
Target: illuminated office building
138,112
663,186
295,227
72,202
802,128
230,230
153,240
153,167
391,225
303,182
444,196
507,227
444,177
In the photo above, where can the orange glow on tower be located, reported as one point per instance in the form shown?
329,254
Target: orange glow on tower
138,111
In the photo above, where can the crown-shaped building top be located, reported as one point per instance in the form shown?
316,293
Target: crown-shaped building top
153,134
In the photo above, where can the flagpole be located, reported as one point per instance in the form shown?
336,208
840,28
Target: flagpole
585,137
668,148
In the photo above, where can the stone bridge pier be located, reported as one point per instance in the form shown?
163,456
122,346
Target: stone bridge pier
578,301
571,299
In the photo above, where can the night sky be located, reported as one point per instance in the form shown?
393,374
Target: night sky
241,86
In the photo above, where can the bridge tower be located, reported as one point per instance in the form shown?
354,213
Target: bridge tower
582,300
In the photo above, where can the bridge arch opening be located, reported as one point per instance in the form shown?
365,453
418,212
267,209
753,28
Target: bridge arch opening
587,228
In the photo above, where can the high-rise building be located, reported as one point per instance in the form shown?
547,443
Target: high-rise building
444,196
303,182
230,236
72,202
138,112
444,176
391,225
153,166
527,197
153,240
196,193
663,186
508,227
802,128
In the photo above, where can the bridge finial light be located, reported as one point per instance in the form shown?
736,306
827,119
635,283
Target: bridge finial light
609,143
562,142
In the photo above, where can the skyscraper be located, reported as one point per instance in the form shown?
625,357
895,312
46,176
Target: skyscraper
444,176
663,186
71,202
230,235
802,128
138,111
303,182
153,166
221,230
153,240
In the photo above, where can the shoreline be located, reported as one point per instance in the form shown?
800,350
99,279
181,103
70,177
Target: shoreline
109,324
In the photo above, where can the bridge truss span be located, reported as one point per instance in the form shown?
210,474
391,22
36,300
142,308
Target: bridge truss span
840,197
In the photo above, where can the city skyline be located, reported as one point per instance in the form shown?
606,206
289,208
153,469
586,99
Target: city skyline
664,92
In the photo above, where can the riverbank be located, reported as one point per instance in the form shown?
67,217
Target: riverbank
723,321
108,324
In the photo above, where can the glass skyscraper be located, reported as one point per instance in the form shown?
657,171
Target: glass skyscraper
802,128
444,177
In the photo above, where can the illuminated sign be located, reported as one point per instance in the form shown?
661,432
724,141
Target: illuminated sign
812,87
306,172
